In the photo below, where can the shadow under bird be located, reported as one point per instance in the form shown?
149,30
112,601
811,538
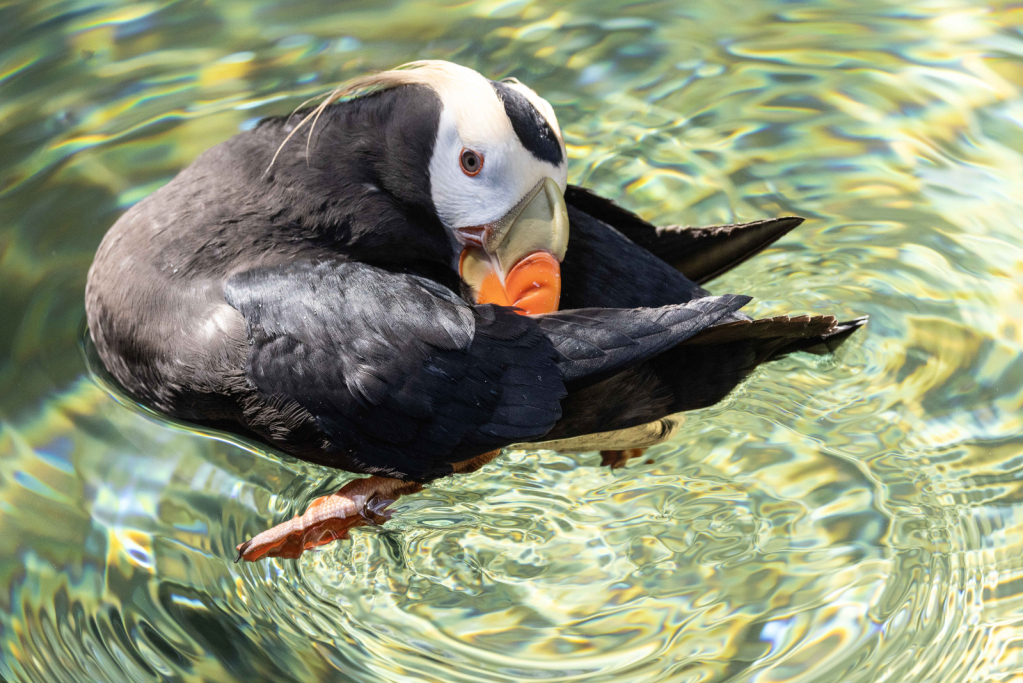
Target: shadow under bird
401,282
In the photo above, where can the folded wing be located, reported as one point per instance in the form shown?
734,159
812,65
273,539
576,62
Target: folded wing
404,378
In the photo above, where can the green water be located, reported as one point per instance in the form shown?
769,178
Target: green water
856,518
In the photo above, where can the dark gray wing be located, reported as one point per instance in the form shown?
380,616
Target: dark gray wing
700,253
593,343
401,376
404,378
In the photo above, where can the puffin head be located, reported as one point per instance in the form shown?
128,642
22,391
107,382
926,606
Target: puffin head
497,177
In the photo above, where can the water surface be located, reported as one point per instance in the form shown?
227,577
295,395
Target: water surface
855,518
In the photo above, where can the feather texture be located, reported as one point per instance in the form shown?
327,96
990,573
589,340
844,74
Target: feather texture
404,378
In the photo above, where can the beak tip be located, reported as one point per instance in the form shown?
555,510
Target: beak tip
534,284
519,262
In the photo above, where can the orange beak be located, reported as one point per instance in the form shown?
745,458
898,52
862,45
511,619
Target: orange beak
515,261
533,285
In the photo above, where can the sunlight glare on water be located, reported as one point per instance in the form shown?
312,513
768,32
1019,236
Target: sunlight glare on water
852,518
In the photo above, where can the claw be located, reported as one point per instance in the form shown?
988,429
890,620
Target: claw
376,511
242,547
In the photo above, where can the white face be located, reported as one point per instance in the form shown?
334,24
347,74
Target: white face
469,193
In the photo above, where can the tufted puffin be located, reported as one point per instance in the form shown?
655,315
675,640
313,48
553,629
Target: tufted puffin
399,282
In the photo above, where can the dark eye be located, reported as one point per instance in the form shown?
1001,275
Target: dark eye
471,162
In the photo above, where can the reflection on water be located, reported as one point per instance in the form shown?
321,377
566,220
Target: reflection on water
857,518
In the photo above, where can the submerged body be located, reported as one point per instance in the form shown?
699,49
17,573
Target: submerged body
338,299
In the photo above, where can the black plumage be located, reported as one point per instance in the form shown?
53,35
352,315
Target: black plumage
700,371
404,378
309,300
530,127
700,253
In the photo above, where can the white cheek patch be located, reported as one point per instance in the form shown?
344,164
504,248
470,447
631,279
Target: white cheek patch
508,173
473,117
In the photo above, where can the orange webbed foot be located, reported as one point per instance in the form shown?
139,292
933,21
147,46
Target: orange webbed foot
327,519
617,459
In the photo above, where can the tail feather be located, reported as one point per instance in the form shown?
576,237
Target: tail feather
831,340
704,253
696,373
793,333
701,254
595,342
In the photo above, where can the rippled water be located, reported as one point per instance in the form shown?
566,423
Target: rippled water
856,518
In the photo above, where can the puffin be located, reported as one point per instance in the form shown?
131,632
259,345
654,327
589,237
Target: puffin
400,282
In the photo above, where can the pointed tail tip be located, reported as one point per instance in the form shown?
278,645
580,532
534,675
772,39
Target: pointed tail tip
849,326
830,341
711,251
739,300
773,229
732,302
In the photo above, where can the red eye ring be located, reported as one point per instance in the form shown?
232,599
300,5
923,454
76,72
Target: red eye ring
470,161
